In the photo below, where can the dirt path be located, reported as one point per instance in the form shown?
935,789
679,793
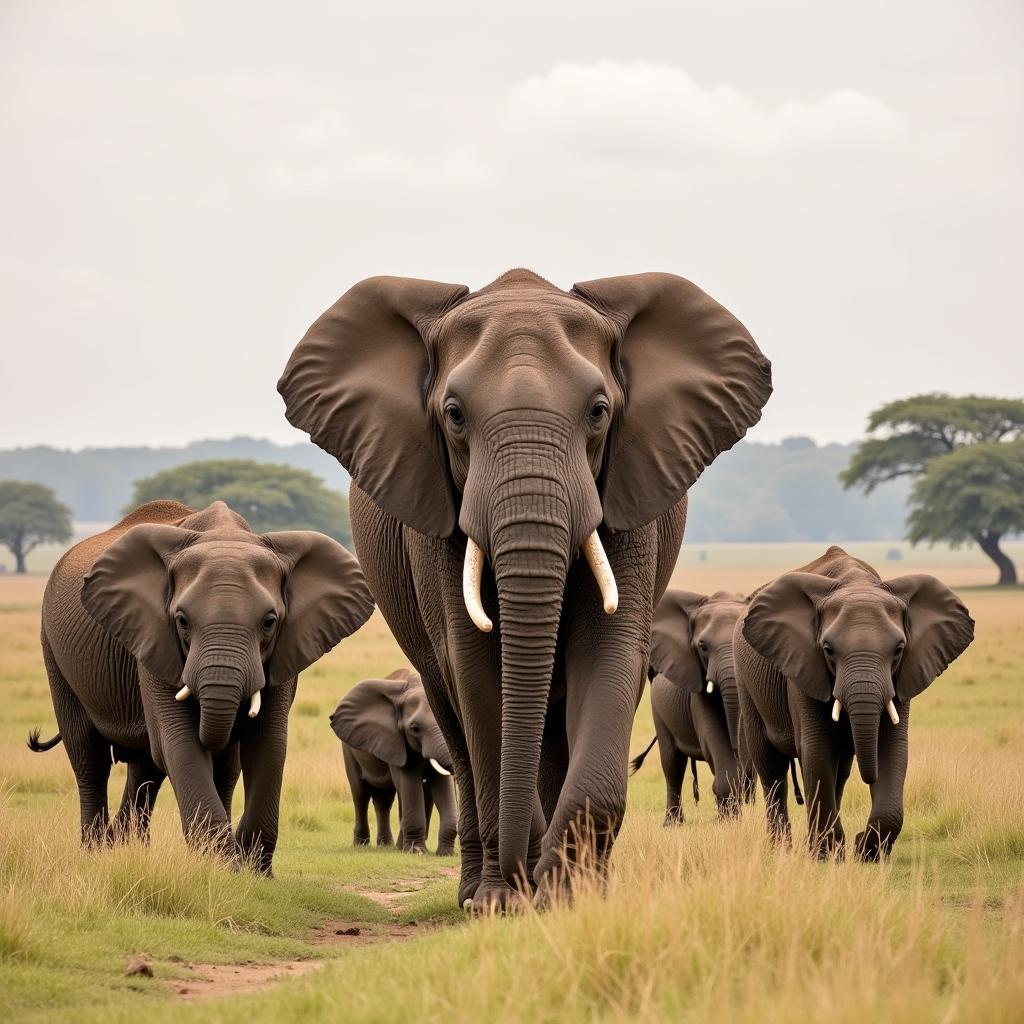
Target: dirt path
212,981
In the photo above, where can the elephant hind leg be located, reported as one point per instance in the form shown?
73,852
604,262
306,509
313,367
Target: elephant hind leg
140,791
87,750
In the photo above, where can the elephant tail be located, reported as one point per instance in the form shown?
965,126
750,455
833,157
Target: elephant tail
35,745
634,765
696,784
796,783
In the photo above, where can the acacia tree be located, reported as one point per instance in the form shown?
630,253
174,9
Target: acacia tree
30,515
269,496
966,453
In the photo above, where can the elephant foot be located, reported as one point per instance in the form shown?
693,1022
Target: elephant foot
673,818
382,841
447,850
494,899
417,847
870,846
360,838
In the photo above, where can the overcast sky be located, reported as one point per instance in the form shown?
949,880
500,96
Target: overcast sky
184,187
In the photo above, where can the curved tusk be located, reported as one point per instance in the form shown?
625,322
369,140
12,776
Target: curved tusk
711,686
894,715
594,550
836,709
183,694
437,767
254,704
472,571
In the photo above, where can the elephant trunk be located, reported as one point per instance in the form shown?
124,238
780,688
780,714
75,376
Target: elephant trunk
223,668
435,751
862,687
725,680
531,560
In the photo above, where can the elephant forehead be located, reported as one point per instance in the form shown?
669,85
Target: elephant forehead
717,620
862,609
549,320
229,563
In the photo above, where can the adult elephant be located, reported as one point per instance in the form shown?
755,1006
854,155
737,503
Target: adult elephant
492,436
172,641
828,659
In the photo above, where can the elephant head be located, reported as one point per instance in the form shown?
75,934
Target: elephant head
524,417
691,645
391,719
223,613
861,644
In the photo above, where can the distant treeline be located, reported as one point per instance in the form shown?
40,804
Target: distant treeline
756,492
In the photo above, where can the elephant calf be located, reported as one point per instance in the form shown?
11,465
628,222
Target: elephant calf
693,696
828,659
172,641
391,743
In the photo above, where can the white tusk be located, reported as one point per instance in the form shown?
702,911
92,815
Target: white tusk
711,686
472,571
836,709
602,571
894,715
254,704
183,694
437,767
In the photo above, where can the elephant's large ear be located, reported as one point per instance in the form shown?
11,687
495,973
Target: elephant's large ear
326,600
672,653
694,382
367,719
127,590
939,630
781,624
357,384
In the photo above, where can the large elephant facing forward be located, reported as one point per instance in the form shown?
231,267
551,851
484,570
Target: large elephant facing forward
828,659
173,640
491,438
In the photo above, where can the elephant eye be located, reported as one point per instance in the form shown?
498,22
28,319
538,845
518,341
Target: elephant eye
900,647
181,621
827,648
414,728
703,647
269,623
599,409
454,415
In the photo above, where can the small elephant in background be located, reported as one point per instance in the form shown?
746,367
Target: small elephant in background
173,642
828,659
391,743
694,700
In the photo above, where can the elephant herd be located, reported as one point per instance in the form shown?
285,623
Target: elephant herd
493,437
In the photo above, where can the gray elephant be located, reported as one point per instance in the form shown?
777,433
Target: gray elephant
828,659
172,641
492,437
391,744
694,700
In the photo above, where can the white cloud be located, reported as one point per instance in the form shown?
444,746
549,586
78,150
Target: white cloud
650,112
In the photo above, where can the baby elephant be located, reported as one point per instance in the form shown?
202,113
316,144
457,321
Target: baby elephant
391,744
693,696
828,659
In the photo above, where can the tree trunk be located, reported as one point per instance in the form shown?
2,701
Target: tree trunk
19,561
989,543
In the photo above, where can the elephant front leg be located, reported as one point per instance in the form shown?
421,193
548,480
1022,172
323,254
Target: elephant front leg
820,761
173,728
263,746
412,812
443,792
886,819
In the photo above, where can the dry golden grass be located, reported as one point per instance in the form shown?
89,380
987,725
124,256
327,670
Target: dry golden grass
702,922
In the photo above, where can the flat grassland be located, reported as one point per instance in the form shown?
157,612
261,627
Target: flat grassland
704,922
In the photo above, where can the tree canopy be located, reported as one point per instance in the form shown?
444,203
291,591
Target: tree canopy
30,515
270,497
968,456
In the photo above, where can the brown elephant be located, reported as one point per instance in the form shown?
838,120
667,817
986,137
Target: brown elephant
694,700
828,659
172,641
491,437
392,745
